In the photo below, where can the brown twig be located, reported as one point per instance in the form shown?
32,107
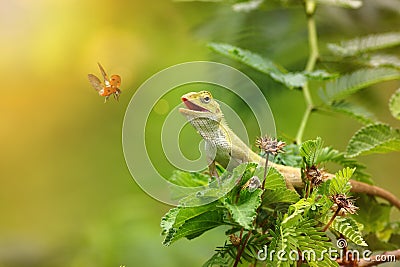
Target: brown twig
293,176
265,171
241,249
360,187
331,220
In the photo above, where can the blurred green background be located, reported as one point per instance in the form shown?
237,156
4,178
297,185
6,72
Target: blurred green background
66,196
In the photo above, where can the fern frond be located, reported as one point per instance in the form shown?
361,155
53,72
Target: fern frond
382,60
348,227
351,110
247,6
264,65
310,150
394,104
351,83
340,183
342,3
365,44
374,138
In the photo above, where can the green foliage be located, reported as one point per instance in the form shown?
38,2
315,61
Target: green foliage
266,66
374,138
383,60
394,104
243,210
314,153
342,3
349,109
294,228
310,151
366,44
299,236
188,179
190,222
276,189
349,84
281,219
348,227
375,216
340,183
290,157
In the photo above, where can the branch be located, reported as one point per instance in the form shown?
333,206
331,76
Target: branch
293,177
360,187
241,248
380,258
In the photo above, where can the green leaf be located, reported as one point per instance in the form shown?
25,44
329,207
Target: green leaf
357,112
247,6
320,75
302,236
313,153
290,157
177,216
340,183
373,215
348,227
394,104
312,240
168,220
178,222
281,195
328,154
276,72
216,260
382,60
274,178
351,83
188,179
376,244
188,183
366,44
196,226
374,138
245,210
216,189
342,3
296,211
310,150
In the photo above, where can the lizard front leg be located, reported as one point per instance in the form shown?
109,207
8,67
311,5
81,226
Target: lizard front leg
212,169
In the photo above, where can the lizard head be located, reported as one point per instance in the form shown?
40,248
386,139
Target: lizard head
200,105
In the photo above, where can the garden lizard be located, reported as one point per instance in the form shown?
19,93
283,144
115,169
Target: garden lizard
222,144
226,148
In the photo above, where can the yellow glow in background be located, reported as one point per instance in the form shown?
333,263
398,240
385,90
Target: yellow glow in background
66,196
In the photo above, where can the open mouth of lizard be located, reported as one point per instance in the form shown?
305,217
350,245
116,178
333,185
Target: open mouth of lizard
192,106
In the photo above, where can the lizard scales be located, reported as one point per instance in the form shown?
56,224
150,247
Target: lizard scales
222,144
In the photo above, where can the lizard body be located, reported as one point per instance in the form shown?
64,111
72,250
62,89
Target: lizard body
226,148
222,144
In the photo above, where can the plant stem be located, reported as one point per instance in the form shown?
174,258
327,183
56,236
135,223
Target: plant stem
265,171
241,249
312,59
331,220
306,115
312,35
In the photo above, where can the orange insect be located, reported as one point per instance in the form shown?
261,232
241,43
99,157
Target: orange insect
110,87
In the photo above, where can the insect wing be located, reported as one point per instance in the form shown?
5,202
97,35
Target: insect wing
103,72
95,82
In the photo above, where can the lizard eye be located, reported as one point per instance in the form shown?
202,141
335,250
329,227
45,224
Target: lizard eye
206,99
